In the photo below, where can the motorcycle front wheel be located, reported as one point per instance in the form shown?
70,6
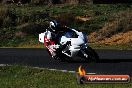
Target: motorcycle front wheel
92,55
59,57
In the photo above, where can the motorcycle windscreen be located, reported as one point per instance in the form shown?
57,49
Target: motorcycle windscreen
74,38
71,34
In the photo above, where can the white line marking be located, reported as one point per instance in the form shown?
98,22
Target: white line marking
49,69
53,69
72,71
4,65
90,73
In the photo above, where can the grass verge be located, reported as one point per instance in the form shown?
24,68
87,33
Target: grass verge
28,77
116,46
92,45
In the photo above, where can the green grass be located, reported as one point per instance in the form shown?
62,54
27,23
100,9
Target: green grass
28,77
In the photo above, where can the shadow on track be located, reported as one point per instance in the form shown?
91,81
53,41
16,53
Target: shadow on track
102,61
114,60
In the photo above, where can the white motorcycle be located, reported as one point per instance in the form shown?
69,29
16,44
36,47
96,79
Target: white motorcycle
73,44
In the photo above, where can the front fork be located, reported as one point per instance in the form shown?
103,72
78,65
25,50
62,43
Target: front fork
84,53
83,50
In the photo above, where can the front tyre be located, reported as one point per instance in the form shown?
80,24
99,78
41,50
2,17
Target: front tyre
59,56
92,56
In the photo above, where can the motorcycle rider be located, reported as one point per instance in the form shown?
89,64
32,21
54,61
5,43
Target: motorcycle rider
53,34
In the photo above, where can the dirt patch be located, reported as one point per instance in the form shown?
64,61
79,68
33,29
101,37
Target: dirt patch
118,30
120,38
83,18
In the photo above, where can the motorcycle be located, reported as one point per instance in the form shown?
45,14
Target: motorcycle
73,44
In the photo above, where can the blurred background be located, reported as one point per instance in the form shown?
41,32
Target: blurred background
22,20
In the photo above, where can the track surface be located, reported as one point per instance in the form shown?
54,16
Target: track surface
111,61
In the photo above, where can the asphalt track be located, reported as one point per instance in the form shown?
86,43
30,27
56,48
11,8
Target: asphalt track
111,61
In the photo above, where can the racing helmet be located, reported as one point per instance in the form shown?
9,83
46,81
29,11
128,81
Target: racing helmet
54,25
